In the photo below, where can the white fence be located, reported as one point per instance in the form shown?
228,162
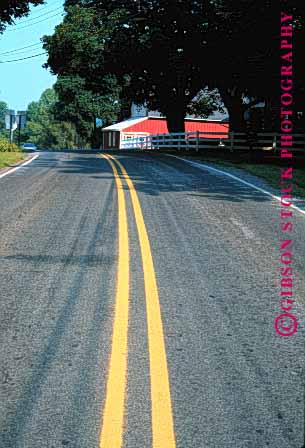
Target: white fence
233,141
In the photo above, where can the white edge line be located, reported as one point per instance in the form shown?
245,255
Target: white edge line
224,173
19,166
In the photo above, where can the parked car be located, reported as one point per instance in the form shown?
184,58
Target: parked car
29,147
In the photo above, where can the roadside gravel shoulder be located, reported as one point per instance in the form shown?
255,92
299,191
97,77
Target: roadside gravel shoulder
247,177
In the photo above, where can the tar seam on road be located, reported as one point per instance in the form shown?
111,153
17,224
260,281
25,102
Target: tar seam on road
161,407
19,166
224,173
113,417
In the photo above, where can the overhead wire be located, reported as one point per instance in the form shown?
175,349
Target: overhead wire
19,50
23,53
35,23
22,59
37,17
16,27
31,47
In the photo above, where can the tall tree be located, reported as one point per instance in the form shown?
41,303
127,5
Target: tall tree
161,46
44,129
84,91
152,47
171,49
3,108
82,106
244,53
250,63
163,52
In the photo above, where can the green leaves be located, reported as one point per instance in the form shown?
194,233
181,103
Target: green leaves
163,53
43,126
80,105
205,103
3,108
77,54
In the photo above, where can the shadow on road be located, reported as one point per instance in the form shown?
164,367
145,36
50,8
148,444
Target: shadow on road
156,174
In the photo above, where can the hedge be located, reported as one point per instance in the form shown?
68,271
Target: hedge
5,146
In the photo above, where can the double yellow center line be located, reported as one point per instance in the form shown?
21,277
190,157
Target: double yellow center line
161,408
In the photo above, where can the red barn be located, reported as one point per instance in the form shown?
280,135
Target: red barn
115,135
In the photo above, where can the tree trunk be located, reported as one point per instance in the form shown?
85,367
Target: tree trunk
236,114
175,119
233,103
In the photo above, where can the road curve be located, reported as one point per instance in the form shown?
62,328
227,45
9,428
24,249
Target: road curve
212,246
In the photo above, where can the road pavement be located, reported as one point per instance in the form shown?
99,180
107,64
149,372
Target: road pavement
138,298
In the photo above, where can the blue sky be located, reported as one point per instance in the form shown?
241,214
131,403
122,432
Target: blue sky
24,81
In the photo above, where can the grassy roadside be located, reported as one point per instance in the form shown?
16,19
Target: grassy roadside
10,158
267,167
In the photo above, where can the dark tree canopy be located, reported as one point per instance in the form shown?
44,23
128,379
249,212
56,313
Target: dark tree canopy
163,52
153,48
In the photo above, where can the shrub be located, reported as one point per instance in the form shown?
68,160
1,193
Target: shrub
5,146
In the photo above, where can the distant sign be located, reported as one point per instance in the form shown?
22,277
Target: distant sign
9,118
21,118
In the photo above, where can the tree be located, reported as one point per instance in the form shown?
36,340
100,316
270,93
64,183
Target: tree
205,103
75,55
3,108
170,50
44,129
161,49
81,106
163,52
14,9
244,40
250,62
125,39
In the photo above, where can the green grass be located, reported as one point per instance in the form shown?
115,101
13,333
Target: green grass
10,158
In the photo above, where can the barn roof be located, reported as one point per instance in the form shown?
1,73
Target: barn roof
124,124
158,125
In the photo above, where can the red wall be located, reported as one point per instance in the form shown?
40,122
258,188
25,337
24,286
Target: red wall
159,126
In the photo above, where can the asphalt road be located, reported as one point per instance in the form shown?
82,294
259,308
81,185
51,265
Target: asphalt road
118,331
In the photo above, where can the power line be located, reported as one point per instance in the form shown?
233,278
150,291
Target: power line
22,59
22,53
37,17
18,50
35,23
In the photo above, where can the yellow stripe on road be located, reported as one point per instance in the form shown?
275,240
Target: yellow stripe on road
113,418
162,417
